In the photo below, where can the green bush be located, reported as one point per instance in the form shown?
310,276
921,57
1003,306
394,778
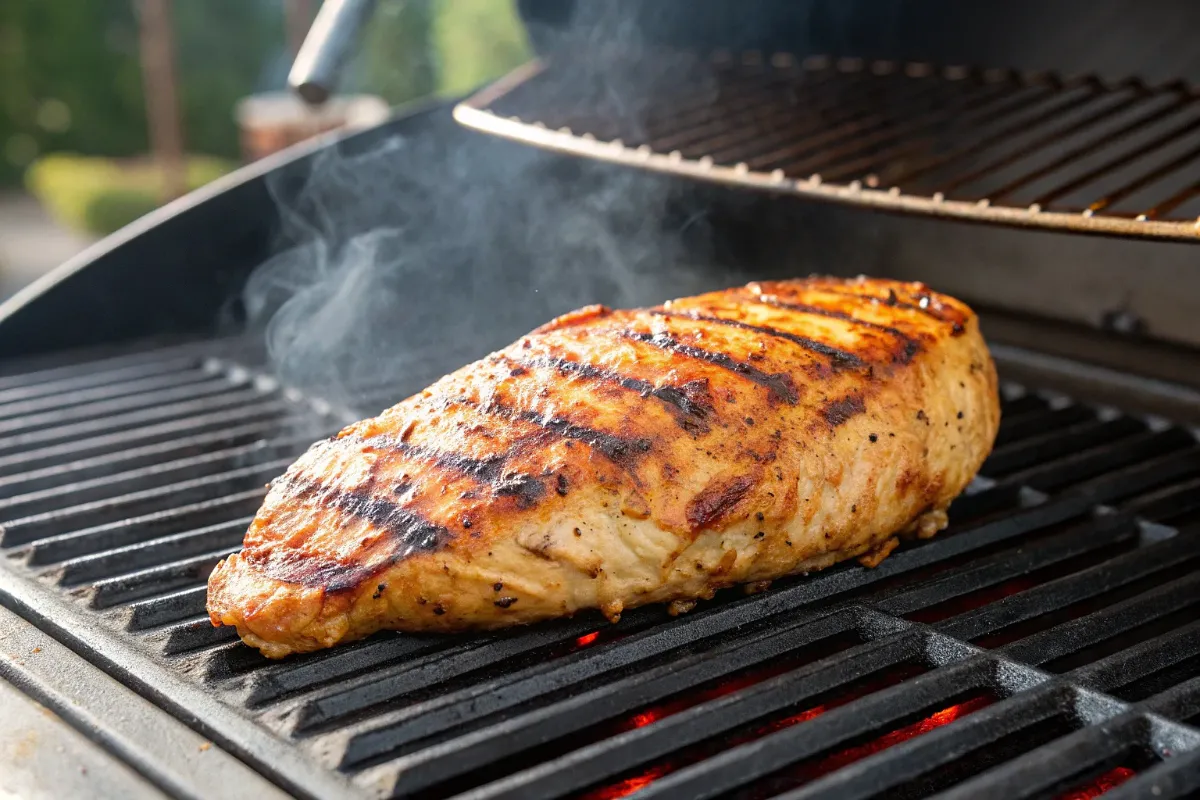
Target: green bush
91,194
110,210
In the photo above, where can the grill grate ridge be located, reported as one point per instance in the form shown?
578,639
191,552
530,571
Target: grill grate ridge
1060,578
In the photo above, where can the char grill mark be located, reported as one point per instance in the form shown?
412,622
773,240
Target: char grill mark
911,346
780,384
489,471
892,299
621,451
839,359
689,402
409,534
840,411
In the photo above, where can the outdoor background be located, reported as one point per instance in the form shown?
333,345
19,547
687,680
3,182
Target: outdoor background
77,153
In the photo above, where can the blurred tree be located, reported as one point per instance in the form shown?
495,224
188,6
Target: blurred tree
396,62
476,41
70,81
417,48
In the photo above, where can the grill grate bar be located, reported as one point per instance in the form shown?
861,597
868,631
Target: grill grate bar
1122,571
123,391
1130,154
115,509
81,377
125,441
134,419
1173,202
918,138
1135,663
904,134
642,745
936,163
146,456
154,552
1177,777
162,579
191,635
424,768
882,772
1048,767
791,144
1162,171
1035,450
747,763
272,682
145,527
167,609
1137,95
445,665
746,114
1070,637
1179,702
106,408
1078,541
1037,423
1139,454
122,483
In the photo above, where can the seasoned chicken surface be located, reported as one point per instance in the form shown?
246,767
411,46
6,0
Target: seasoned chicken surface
611,459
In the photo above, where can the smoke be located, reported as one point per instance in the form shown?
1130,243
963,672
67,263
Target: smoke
406,254
403,262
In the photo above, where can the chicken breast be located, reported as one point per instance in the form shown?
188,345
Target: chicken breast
611,459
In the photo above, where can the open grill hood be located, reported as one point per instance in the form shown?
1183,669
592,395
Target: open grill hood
1046,645
1029,150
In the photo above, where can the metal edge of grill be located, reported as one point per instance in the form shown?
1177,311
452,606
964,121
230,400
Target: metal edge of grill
512,108
1077,507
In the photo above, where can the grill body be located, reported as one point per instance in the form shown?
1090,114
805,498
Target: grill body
1046,645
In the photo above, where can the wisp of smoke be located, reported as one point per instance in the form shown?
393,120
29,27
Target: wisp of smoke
401,263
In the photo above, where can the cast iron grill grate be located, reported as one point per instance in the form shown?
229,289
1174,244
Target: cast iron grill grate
1048,645
994,145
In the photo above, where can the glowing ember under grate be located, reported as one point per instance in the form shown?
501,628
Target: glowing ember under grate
1105,783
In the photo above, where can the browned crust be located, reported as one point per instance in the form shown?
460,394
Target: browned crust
699,417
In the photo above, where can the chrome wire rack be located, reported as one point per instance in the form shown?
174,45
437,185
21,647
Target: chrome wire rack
1030,150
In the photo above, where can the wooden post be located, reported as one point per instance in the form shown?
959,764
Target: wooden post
157,45
297,19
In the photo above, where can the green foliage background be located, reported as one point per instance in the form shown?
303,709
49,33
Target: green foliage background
70,80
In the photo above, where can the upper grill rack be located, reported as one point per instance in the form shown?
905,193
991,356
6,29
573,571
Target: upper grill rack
1031,150
1047,643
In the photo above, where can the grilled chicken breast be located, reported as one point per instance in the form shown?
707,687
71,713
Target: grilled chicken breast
616,458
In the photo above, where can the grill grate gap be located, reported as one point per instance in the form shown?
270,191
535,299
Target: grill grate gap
910,727
810,709
1049,558
1041,623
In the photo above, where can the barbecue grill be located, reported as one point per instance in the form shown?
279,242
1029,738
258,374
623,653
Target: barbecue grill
1046,645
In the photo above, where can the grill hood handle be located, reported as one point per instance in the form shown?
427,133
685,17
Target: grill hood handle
333,35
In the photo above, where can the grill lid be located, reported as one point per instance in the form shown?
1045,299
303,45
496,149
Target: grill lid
1047,643
1028,150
